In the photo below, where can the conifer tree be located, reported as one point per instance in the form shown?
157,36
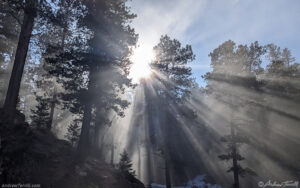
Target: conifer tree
125,164
234,66
105,46
170,66
31,10
233,141
9,29
282,63
74,132
40,116
173,85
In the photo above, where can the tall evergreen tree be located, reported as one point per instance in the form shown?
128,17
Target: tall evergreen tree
110,46
235,66
40,116
30,10
73,132
172,82
106,45
170,65
9,29
125,164
282,63
233,141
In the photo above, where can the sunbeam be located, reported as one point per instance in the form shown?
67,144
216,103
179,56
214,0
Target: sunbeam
140,94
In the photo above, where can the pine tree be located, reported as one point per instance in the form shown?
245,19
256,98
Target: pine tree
40,116
31,10
125,164
233,142
234,66
106,45
74,132
172,83
107,49
9,29
287,57
282,63
170,68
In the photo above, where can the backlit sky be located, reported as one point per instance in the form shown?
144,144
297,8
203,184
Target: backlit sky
205,24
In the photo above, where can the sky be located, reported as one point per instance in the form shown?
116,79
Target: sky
205,24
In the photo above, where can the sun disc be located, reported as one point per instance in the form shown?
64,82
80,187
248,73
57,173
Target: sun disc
141,59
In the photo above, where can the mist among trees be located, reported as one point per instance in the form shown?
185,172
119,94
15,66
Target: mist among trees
83,104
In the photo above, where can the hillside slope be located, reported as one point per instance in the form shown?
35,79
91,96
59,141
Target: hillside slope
35,156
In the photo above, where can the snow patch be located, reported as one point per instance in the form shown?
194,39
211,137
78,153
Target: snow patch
197,182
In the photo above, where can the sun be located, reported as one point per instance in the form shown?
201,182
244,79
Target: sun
141,58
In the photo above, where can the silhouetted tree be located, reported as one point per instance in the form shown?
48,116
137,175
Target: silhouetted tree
9,29
170,67
110,46
233,141
106,45
74,132
40,116
29,8
173,84
125,164
282,63
234,66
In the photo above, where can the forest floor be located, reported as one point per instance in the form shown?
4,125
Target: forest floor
37,157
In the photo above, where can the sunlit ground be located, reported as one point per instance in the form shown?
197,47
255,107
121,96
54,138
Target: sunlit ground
141,59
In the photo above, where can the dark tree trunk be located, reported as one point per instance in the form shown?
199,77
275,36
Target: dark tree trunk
166,131
234,160
148,146
97,136
83,144
52,107
167,173
5,75
112,156
84,135
11,99
139,161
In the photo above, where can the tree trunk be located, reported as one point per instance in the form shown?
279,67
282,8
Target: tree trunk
52,107
167,173
112,156
83,144
148,175
102,147
5,75
166,131
97,135
234,148
11,99
139,175
84,135
234,160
